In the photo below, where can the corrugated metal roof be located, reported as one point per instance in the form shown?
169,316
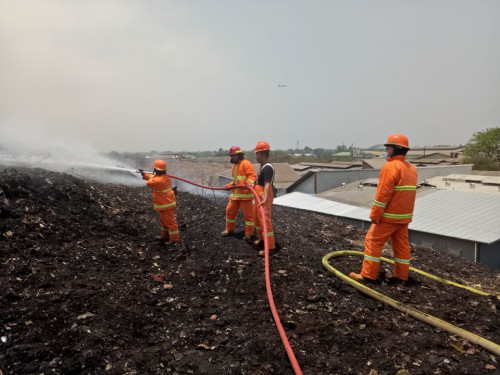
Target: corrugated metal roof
282,185
283,173
491,180
456,214
311,203
483,184
333,164
352,194
375,163
459,214
299,167
486,173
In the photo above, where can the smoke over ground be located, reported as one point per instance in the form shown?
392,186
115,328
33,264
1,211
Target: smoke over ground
178,171
32,148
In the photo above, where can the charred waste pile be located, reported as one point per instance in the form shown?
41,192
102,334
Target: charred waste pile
86,289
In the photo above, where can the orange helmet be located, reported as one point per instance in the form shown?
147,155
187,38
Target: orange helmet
397,140
160,165
262,146
235,150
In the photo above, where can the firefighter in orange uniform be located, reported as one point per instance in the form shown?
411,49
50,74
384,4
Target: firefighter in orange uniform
163,200
264,188
241,198
391,213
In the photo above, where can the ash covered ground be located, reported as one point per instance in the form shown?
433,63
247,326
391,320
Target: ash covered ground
86,289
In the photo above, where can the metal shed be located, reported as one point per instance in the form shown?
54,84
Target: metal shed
464,223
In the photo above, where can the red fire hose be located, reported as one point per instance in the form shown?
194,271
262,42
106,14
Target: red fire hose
277,321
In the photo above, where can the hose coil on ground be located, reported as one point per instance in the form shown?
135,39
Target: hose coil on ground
429,319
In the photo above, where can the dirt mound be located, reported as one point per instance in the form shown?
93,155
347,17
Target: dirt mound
87,290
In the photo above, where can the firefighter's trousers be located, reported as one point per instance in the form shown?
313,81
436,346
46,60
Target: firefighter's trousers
169,228
232,209
258,221
375,239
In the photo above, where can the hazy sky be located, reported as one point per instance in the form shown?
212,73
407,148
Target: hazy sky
199,75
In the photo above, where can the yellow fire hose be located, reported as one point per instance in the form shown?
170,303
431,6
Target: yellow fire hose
429,319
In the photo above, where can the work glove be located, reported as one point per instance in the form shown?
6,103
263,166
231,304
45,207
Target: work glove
141,171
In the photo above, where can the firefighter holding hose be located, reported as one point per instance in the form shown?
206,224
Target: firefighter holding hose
265,189
243,173
163,200
391,213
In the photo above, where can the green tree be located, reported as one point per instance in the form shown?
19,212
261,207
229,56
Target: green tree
221,152
483,149
341,148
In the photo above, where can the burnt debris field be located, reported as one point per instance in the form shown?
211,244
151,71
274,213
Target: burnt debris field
86,289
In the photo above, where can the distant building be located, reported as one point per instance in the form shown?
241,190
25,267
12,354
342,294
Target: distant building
343,154
457,213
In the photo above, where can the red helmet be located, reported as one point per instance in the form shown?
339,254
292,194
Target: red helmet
262,146
397,140
235,150
160,165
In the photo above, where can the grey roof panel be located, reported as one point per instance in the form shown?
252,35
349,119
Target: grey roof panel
312,203
459,214
456,214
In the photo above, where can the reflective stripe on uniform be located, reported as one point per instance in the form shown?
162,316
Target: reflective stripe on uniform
241,195
230,220
163,191
380,204
174,232
249,223
405,187
397,216
164,205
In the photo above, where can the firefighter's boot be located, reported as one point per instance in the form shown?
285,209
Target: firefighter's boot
226,233
258,244
357,277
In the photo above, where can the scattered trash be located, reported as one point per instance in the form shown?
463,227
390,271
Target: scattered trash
159,277
4,338
205,346
85,316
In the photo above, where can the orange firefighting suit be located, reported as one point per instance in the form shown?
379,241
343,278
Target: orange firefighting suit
243,173
391,213
164,203
259,189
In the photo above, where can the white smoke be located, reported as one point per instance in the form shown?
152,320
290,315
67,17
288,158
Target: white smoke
193,189
32,147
